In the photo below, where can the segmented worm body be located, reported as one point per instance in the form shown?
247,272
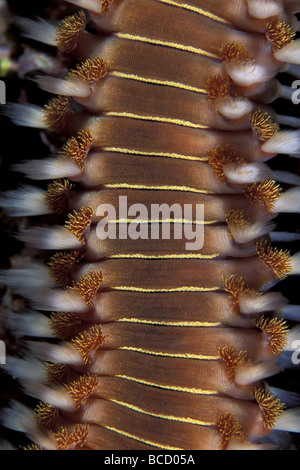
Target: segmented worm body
137,337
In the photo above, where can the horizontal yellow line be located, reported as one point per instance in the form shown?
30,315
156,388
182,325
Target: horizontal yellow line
155,154
200,357
164,221
149,257
175,289
177,122
193,324
196,391
154,81
139,439
172,45
178,419
200,11
153,187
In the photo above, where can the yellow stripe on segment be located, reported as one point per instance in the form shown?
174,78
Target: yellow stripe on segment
172,45
139,439
195,391
154,154
175,289
153,187
177,122
200,11
149,257
193,324
178,419
165,221
200,357
154,81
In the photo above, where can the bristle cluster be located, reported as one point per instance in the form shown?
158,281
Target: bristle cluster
276,330
221,156
78,222
236,286
218,87
105,6
57,195
234,51
69,30
270,405
64,324
69,439
229,427
77,148
279,34
263,125
45,415
82,388
90,70
237,218
232,359
56,112
277,260
87,286
265,193
88,341
60,264
56,373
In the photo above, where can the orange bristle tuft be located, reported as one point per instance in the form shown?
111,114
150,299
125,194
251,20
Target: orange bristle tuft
69,30
56,373
219,157
234,51
90,70
61,263
105,6
235,287
87,286
79,221
232,359
67,440
57,195
81,389
276,330
263,125
78,148
265,193
64,324
270,405
237,218
218,87
56,111
279,34
46,416
278,261
229,427
88,341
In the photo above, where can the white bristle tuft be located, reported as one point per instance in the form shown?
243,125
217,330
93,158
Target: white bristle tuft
47,169
289,53
91,5
293,340
237,173
288,201
250,304
18,418
60,86
286,92
250,232
5,445
27,115
295,261
25,201
288,398
284,237
290,121
291,312
26,369
31,276
234,108
58,397
248,375
39,30
61,353
247,74
294,70
286,177
289,420
263,9
285,142
52,238
29,323
57,300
